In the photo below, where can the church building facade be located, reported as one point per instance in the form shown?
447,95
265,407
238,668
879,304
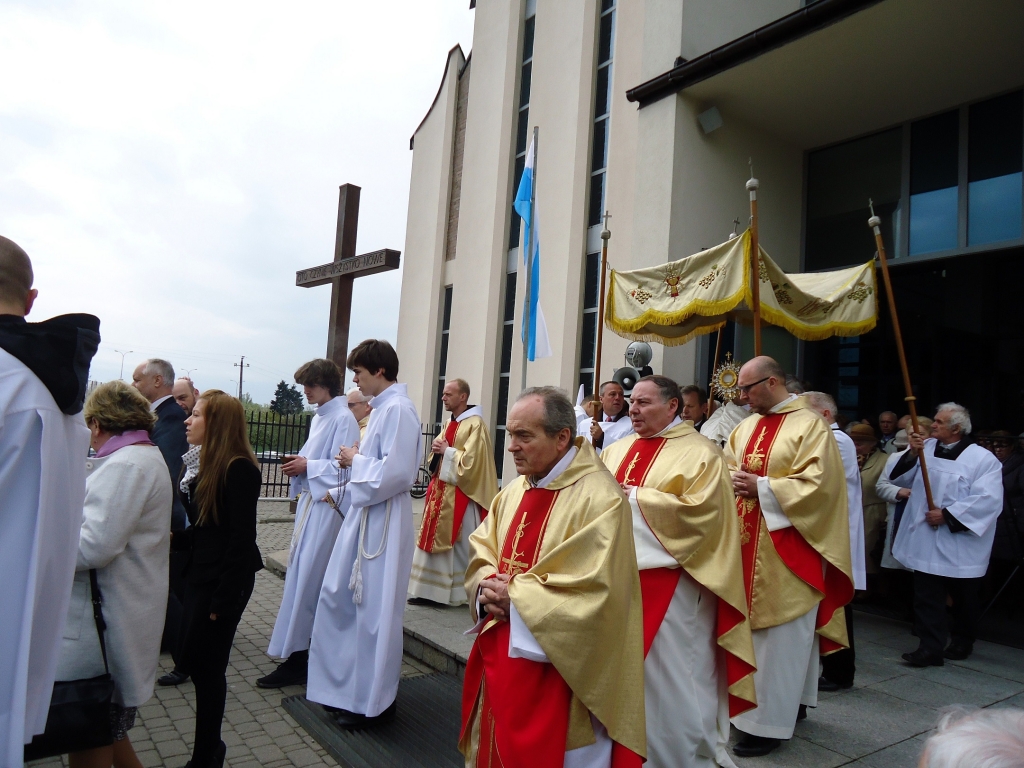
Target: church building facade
652,111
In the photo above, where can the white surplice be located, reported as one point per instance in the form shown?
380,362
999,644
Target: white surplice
971,489
316,525
888,491
42,491
855,505
355,657
441,576
613,430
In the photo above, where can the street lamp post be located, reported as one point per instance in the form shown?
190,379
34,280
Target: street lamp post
122,354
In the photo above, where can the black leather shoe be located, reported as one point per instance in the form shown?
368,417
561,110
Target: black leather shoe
824,684
958,652
801,713
352,721
292,671
921,658
750,745
174,677
423,601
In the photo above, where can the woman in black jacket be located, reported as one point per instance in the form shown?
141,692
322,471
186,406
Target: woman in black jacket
219,489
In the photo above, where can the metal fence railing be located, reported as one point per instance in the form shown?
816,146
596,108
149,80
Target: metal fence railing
273,436
429,432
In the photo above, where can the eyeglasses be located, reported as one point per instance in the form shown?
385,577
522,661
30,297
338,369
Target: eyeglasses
748,387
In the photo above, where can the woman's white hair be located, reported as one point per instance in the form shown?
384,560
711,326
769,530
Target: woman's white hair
982,738
958,416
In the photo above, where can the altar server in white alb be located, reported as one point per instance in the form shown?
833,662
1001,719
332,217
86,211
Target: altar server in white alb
316,479
611,420
356,654
461,490
44,370
948,547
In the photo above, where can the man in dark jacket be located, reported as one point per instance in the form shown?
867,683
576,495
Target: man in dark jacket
154,378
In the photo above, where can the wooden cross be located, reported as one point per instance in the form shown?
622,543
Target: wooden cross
342,272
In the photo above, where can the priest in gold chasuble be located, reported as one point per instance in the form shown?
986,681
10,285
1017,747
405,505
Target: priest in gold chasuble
699,656
463,485
791,503
555,676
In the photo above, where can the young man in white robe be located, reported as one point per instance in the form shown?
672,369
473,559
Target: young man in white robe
44,371
316,480
355,657
948,546
611,421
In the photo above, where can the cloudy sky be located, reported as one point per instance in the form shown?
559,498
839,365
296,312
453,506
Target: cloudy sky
169,166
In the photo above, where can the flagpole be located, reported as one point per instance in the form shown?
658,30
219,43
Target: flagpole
875,223
528,306
606,235
755,261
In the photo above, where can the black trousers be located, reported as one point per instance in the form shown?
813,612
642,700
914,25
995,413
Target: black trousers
204,655
930,615
175,620
839,667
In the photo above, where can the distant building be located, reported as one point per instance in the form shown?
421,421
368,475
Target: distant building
915,103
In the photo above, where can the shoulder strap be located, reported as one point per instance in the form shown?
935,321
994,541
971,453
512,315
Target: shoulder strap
97,615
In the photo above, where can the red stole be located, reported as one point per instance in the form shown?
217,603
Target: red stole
435,502
524,712
657,585
799,556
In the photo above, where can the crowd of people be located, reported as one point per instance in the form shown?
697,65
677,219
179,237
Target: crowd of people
660,570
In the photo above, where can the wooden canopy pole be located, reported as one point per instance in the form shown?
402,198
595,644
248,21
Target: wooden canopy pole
755,261
606,235
875,223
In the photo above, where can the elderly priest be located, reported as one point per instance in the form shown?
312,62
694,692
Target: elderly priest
791,500
460,492
699,657
555,676
948,547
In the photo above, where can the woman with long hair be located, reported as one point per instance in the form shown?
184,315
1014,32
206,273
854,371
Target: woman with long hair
219,489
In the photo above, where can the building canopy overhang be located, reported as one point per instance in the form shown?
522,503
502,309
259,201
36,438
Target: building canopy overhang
842,68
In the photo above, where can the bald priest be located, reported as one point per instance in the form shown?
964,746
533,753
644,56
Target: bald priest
555,677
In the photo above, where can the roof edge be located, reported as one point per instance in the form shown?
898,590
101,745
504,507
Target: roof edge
444,77
776,34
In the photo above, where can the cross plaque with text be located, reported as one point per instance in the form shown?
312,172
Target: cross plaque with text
343,270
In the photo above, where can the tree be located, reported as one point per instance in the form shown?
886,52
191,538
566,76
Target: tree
287,399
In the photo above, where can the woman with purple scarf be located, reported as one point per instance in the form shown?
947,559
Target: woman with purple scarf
126,539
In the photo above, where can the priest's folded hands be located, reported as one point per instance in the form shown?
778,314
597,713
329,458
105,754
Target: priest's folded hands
744,483
494,596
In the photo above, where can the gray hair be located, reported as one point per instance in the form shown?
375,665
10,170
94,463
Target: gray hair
157,367
821,401
958,416
794,386
559,412
359,393
986,738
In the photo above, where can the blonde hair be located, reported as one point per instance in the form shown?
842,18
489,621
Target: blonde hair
226,439
118,408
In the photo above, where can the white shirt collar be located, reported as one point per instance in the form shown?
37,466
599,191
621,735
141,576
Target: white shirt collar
473,410
775,408
559,468
671,424
156,403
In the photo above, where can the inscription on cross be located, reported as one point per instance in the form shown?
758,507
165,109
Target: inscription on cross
342,272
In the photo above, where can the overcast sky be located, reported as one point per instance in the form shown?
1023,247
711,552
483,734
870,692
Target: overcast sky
169,166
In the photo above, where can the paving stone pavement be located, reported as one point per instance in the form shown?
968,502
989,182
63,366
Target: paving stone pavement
257,731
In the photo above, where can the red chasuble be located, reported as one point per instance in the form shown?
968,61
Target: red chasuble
799,556
524,714
658,585
435,502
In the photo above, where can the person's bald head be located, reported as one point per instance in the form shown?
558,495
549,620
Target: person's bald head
16,291
762,383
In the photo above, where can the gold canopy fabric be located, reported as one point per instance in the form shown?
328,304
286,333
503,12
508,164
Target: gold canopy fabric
674,302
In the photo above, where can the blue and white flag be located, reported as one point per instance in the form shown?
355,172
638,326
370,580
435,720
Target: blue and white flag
539,345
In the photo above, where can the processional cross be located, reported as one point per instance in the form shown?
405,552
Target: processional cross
342,272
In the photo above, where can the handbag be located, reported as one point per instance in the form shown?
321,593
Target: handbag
79,717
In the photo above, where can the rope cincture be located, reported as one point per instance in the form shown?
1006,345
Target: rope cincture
355,583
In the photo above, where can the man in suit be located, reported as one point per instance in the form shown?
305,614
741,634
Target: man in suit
154,378
694,406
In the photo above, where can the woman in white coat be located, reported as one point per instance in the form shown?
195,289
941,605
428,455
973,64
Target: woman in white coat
126,538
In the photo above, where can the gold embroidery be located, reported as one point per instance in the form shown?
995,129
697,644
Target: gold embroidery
515,565
629,469
755,459
861,291
640,295
706,281
672,280
744,507
762,270
782,293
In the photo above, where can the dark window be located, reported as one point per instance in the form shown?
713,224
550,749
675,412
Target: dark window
588,341
528,30
994,152
442,357
934,172
590,281
599,149
596,200
604,45
601,92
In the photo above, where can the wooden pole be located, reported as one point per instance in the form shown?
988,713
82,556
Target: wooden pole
714,367
531,238
606,235
755,262
875,223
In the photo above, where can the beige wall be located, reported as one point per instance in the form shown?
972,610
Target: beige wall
422,287
708,24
